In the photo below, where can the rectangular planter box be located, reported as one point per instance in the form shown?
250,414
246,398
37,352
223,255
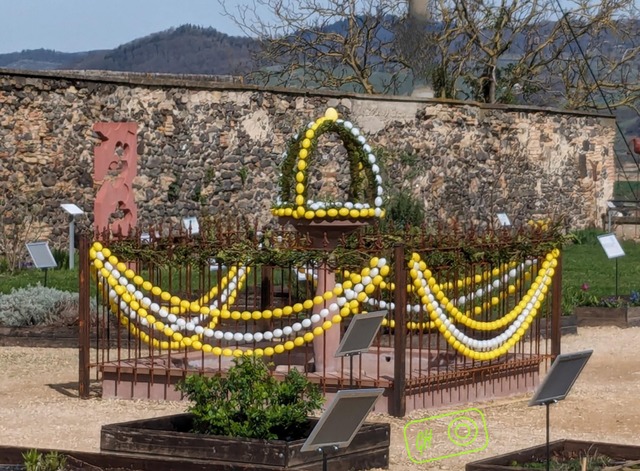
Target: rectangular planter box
594,316
575,448
11,459
568,326
169,436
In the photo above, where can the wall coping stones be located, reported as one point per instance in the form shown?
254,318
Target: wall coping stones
227,82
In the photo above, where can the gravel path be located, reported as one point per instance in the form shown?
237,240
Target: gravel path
39,406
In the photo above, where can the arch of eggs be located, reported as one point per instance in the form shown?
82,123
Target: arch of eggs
361,159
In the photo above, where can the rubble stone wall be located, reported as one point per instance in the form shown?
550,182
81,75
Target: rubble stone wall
206,147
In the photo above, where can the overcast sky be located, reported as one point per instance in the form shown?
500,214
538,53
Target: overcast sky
84,25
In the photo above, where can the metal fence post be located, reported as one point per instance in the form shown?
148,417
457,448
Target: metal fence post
84,319
556,310
400,334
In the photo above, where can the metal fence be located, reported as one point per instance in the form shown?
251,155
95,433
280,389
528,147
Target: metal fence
260,292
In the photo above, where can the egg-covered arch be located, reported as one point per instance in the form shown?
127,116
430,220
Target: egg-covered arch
365,201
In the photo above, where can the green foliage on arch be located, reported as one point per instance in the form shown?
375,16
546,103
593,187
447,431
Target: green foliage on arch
358,191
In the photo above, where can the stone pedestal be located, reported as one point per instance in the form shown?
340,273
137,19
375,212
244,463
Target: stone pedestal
325,346
325,234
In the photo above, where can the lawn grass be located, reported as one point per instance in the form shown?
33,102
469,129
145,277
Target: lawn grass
62,279
67,280
626,190
587,264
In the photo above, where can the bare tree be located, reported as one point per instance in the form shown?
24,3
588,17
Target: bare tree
539,51
435,48
337,44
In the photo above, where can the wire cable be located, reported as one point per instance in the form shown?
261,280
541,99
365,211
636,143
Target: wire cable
604,98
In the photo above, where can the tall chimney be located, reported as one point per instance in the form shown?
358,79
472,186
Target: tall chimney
418,9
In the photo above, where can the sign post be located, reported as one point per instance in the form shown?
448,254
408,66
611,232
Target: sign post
341,421
613,249
359,336
42,257
559,380
73,211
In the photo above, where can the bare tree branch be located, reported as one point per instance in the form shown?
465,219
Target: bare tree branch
339,44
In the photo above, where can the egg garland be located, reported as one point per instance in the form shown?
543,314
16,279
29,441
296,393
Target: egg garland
431,288
195,343
125,298
501,277
130,304
276,334
419,271
297,162
493,348
229,291
130,312
109,267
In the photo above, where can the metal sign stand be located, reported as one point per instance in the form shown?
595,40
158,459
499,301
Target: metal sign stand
559,380
359,336
191,225
504,220
613,249
341,421
73,211
42,257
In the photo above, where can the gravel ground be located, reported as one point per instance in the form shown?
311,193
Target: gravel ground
39,406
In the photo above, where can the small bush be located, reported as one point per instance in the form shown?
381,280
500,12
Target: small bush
37,305
61,257
404,209
586,236
250,403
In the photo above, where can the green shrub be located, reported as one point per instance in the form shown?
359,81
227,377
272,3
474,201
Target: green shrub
61,257
250,403
586,236
404,209
36,305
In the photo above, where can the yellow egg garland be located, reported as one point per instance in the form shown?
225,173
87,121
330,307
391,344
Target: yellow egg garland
490,349
501,276
128,302
296,166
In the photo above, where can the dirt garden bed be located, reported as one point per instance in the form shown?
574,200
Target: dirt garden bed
39,406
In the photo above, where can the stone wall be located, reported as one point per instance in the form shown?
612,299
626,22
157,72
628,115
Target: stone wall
214,148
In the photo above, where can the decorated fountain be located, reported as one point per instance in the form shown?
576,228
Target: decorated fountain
209,330
325,223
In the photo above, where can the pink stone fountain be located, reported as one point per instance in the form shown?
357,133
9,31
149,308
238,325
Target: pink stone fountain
322,223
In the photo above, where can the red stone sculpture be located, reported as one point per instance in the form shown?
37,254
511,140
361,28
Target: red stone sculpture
115,167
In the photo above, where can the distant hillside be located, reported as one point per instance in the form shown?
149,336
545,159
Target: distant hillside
184,50
39,59
205,51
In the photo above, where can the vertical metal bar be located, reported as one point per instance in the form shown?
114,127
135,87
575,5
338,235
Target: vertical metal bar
399,344
556,310
84,319
71,241
616,277
101,308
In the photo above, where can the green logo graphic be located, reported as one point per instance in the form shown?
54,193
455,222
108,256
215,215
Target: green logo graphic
446,435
